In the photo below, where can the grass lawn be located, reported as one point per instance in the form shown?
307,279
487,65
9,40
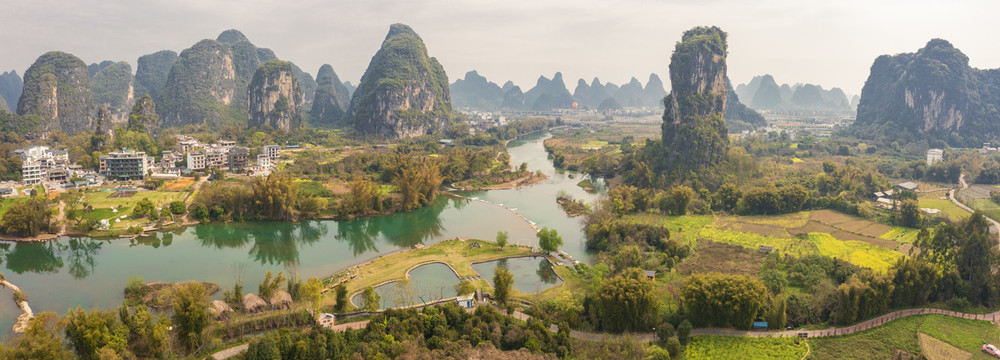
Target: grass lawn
734,347
394,266
100,199
903,334
949,209
6,203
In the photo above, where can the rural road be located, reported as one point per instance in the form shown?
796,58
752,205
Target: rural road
951,195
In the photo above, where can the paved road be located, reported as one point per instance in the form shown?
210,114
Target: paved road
951,195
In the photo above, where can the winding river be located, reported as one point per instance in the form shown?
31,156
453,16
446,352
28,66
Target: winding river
89,273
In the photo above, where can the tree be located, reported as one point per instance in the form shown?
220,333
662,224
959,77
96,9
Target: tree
683,330
776,317
40,340
665,331
373,301
190,313
549,240
501,239
341,291
199,212
909,214
275,196
465,287
270,284
680,197
91,332
177,207
723,300
143,209
27,218
311,292
503,281
626,302
976,260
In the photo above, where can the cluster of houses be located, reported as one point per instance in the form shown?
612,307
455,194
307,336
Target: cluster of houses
887,199
42,164
481,120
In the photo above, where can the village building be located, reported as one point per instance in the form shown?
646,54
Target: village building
934,156
125,165
41,163
272,151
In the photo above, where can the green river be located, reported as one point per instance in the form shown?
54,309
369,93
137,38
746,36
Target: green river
71,272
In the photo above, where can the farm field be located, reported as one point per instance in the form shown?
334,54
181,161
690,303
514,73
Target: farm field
180,184
856,240
904,334
735,347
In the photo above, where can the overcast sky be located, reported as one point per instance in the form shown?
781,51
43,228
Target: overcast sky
831,43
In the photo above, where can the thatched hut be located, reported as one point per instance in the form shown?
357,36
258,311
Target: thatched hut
281,300
219,310
253,303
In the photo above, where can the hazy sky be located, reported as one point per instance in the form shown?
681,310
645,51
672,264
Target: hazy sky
831,43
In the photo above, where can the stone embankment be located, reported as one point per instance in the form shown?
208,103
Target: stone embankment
26,313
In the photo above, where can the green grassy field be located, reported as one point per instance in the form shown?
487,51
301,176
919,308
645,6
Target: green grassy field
733,347
6,203
902,334
102,205
948,209
689,228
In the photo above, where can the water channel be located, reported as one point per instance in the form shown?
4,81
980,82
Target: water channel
71,272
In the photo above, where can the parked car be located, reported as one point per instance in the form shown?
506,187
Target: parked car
992,350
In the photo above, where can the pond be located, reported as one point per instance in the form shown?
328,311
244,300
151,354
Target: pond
429,282
531,274
70,272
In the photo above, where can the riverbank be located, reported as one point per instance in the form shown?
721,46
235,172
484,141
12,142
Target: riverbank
528,179
458,254
22,303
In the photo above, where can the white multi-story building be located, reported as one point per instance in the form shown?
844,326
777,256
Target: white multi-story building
40,163
934,155
196,160
272,151
217,158
264,161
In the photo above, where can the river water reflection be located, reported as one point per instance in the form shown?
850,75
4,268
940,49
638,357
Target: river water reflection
89,273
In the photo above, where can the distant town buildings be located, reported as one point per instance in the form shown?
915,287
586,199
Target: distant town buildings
41,163
272,151
125,165
934,156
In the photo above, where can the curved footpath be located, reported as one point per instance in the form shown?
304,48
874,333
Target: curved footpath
651,337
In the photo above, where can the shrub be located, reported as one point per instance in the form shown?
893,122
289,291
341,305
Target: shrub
177,207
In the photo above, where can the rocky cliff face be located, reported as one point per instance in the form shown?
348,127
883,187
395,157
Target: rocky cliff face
112,87
151,73
332,99
11,87
207,84
404,92
275,97
143,117
694,132
475,92
930,94
57,88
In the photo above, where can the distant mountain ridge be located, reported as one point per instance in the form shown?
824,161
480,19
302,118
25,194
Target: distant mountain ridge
477,93
764,93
